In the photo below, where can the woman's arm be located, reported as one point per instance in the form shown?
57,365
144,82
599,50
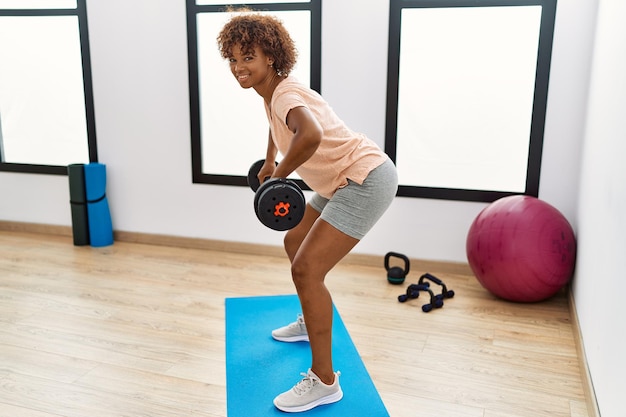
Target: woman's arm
267,170
270,155
307,135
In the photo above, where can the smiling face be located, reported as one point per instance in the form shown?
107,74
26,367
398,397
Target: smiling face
248,30
251,68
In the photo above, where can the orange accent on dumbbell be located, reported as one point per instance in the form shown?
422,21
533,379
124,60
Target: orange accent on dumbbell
281,209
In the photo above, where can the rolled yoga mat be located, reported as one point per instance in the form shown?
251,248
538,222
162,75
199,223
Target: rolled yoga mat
98,214
78,204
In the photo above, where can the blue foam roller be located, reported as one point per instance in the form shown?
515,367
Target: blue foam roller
98,214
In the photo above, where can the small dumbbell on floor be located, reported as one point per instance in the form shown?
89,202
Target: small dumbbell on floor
279,202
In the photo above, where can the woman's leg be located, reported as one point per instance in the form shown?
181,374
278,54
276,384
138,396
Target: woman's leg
320,250
317,244
294,237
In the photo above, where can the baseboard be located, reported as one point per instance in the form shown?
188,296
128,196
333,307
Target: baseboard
198,243
44,229
268,250
590,395
233,247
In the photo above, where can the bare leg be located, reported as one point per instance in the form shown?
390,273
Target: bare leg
294,237
314,248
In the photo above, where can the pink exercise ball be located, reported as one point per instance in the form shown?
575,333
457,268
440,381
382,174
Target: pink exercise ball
521,249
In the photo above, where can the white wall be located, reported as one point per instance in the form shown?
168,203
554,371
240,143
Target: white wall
139,61
600,286
567,104
139,58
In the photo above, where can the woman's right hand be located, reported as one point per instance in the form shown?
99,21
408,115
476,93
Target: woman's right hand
266,171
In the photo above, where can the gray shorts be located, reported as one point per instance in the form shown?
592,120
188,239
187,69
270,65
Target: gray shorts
354,209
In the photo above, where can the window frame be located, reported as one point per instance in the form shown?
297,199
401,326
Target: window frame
81,12
193,9
544,53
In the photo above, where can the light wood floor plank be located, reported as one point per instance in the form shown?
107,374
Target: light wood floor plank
9,410
138,330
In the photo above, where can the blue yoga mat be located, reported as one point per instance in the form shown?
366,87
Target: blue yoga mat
258,368
98,214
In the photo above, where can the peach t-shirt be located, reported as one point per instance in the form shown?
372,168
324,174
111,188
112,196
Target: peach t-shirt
342,153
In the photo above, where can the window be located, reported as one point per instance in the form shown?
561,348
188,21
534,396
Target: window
467,91
46,100
228,124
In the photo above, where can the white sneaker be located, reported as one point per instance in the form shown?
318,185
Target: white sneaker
294,332
308,394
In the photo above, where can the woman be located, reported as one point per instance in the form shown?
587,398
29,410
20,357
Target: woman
353,179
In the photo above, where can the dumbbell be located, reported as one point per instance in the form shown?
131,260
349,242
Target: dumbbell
279,202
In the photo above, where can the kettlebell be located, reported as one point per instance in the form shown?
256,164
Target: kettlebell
396,274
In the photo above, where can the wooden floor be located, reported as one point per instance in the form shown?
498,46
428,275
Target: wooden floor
138,330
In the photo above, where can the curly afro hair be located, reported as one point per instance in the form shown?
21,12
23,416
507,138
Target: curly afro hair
250,30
